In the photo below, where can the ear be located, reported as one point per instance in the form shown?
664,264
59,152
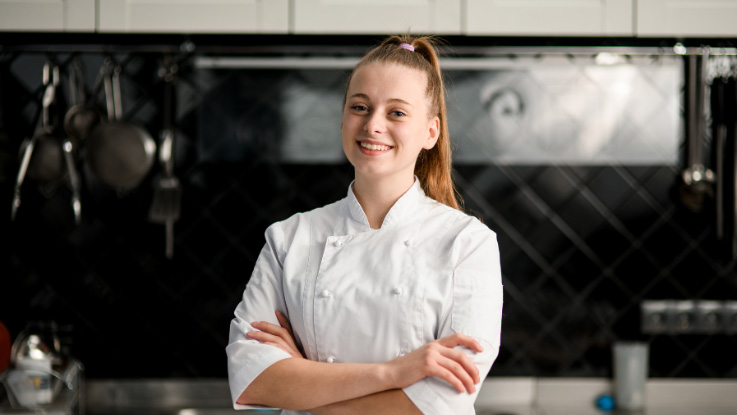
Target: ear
433,129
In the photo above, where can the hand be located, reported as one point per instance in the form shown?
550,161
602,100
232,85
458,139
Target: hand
439,359
279,336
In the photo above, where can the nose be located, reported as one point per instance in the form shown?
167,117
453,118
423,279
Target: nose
375,123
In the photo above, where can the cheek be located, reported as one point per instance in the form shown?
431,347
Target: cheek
347,124
346,134
418,136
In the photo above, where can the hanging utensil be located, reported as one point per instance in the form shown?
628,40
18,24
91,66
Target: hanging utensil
165,206
722,107
119,153
696,180
730,157
41,155
81,117
46,165
68,149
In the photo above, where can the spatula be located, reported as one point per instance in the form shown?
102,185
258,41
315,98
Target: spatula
165,207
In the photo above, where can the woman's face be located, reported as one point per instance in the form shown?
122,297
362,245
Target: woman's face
385,121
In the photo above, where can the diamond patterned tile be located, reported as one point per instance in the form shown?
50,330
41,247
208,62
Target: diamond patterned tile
524,271
580,272
608,244
522,213
691,273
716,355
636,271
583,218
718,288
551,186
665,244
609,187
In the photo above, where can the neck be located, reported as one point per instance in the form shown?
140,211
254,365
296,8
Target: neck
377,196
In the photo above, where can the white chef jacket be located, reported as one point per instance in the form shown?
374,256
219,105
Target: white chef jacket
356,294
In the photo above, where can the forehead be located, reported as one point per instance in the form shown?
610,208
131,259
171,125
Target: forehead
379,80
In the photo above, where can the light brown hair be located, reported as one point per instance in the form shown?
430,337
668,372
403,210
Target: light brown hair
433,166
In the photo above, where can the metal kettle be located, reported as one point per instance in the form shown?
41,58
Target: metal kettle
38,342
36,360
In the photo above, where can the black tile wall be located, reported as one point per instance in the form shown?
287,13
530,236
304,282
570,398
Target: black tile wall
581,245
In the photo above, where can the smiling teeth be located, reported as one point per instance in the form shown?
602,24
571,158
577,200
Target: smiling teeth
374,147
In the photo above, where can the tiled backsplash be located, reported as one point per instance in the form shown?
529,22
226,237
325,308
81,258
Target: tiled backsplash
586,231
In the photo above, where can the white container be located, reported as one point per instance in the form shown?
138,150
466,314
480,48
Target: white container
31,382
630,374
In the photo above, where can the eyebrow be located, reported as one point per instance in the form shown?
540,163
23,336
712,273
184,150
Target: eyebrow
364,96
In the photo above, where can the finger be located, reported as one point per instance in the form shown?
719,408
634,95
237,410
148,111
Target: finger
444,374
273,340
284,321
264,337
459,339
265,326
277,331
460,373
285,331
463,361
270,328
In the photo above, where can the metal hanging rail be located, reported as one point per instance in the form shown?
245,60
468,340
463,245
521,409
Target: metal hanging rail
345,57
464,58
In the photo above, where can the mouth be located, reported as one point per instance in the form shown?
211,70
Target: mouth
374,147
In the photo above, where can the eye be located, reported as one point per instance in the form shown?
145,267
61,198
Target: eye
359,107
398,113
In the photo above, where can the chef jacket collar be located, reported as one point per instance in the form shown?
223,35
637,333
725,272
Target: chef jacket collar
402,209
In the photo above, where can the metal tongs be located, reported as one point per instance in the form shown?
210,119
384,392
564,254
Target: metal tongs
50,82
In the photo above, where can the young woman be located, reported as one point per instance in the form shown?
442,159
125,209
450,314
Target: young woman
389,300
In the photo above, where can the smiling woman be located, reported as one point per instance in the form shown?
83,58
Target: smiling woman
389,300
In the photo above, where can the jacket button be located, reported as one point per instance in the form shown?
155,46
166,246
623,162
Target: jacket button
407,242
331,359
398,291
326,293
338,244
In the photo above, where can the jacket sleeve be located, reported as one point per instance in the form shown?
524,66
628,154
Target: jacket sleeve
263,295
475,309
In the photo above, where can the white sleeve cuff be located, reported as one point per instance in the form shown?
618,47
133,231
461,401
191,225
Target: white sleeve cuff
253,366
433,396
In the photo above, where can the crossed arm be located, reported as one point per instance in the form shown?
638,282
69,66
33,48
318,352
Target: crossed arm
323,388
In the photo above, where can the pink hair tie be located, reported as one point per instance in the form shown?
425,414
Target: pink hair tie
407,46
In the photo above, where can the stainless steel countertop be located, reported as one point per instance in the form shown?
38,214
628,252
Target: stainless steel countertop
519,396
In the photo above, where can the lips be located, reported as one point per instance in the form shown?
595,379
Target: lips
374,147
